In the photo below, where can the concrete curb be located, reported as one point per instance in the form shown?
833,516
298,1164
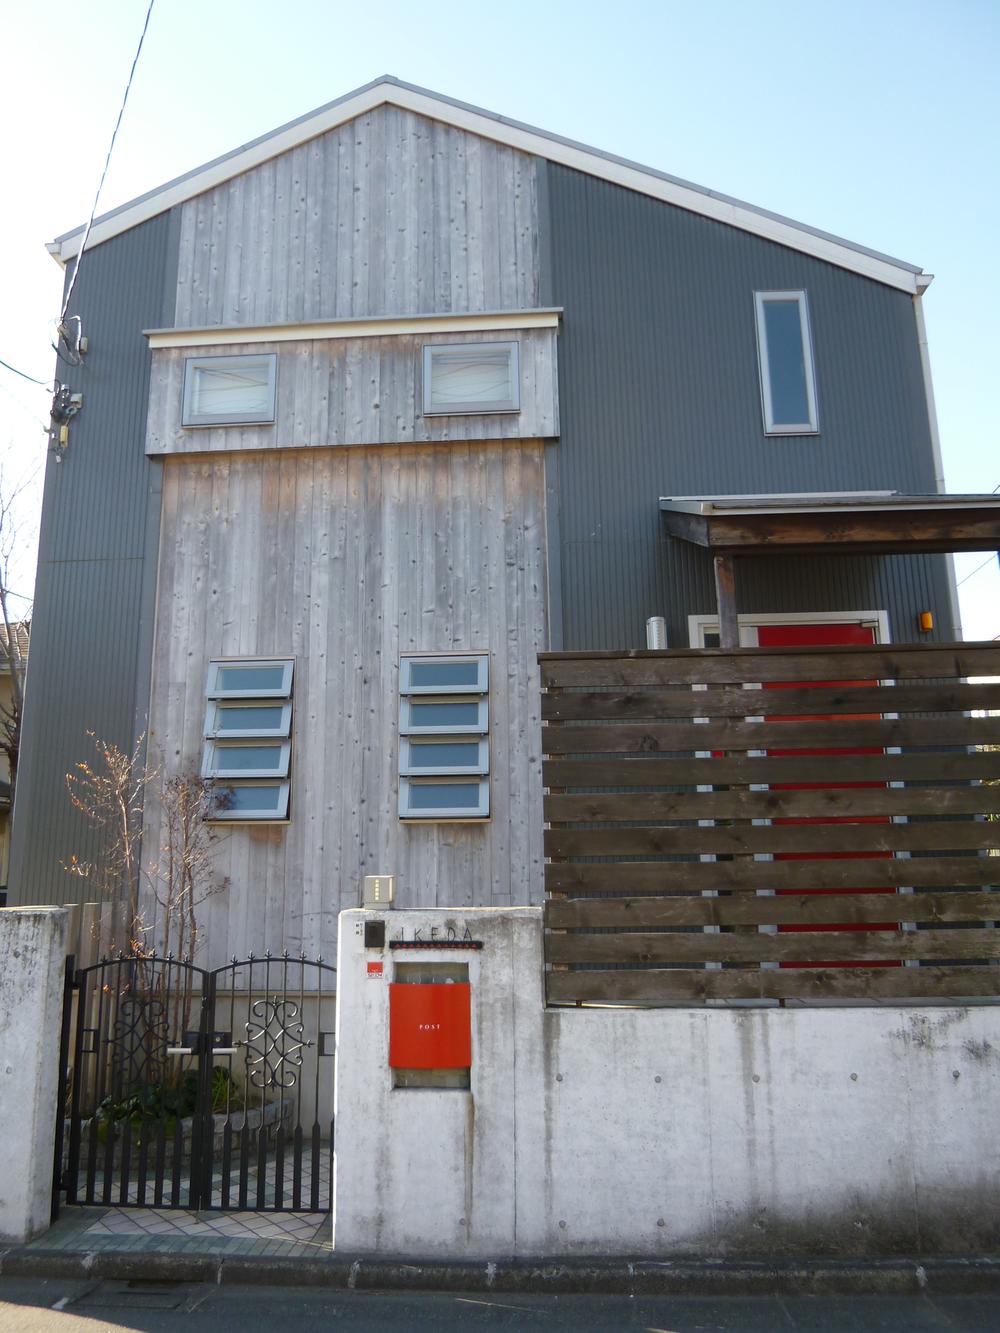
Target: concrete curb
974,1276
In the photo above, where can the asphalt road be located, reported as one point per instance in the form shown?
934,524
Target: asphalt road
35,1305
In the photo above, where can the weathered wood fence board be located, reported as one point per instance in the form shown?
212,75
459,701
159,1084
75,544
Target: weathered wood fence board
681,913
658,877
683,986
844,802
715,666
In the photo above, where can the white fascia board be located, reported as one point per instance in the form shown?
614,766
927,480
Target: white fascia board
841,501
526,138
379,327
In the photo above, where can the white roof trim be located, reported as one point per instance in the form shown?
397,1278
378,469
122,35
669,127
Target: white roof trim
378,327
606,166
819,501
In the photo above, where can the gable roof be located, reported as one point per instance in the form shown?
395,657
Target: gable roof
487,124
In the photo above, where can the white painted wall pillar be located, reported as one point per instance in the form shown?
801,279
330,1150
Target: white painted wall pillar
769,1133
432,1171
32,968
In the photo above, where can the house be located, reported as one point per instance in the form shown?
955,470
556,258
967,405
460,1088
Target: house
381,405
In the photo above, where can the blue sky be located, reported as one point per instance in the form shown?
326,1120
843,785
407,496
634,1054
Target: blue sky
876,122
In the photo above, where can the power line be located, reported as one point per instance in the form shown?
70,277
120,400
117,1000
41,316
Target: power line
988,561
46,384
107,160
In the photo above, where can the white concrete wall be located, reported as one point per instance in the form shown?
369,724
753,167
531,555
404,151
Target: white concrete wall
855,1131
32,961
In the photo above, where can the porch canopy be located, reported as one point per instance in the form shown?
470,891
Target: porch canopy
826,523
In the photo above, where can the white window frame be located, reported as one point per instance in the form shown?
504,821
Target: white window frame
216,707
406,785
193,364
511,404
700,625
213,766
771,427
282,691
278,814
407,768
407,726
406,685
227,779
411,777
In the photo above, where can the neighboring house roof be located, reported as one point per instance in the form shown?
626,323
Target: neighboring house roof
22,632
606,166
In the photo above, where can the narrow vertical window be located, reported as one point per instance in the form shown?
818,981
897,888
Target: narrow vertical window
444,751
248,744
787,377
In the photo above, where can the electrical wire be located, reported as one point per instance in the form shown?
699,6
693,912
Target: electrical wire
988,561
46,384
107,161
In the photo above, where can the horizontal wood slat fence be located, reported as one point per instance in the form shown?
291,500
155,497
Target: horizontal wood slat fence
772,825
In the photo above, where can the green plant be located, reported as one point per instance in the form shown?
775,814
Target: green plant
158,1104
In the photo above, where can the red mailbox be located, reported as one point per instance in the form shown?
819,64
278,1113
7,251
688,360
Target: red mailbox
430,1026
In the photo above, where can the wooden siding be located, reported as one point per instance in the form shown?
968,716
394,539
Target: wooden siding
349,391
391,213
884,798
344,559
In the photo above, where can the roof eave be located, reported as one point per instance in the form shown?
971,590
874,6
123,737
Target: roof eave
515,134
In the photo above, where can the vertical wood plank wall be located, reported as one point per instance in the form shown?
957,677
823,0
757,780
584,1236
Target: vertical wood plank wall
389,214
344,391
345,558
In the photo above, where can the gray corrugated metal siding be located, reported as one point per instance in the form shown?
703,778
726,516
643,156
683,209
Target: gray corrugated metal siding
92,621
659,395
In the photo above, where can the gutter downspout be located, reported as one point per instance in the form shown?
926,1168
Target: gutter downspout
923,282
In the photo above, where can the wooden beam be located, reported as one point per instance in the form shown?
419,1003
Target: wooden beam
725,596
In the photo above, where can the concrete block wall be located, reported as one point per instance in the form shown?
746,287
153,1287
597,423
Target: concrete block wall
32,968
707,1132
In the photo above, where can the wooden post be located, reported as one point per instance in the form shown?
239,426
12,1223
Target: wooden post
725,595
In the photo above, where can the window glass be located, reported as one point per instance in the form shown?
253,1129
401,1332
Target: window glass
434,713
244,758
787,379
229,390
444,723
444,795
786,363
257,677
443,754
250,717
249,740
475,377
457,676
265,799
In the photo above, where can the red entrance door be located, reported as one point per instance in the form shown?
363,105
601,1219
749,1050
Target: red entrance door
812,636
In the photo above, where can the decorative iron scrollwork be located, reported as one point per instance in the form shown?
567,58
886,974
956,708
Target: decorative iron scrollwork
138,1042
274,1045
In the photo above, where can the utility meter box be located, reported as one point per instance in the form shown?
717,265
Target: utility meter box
430,1025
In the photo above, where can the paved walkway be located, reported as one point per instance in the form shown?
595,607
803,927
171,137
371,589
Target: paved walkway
174,1231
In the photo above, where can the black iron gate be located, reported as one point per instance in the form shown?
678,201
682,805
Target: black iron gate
196,1089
